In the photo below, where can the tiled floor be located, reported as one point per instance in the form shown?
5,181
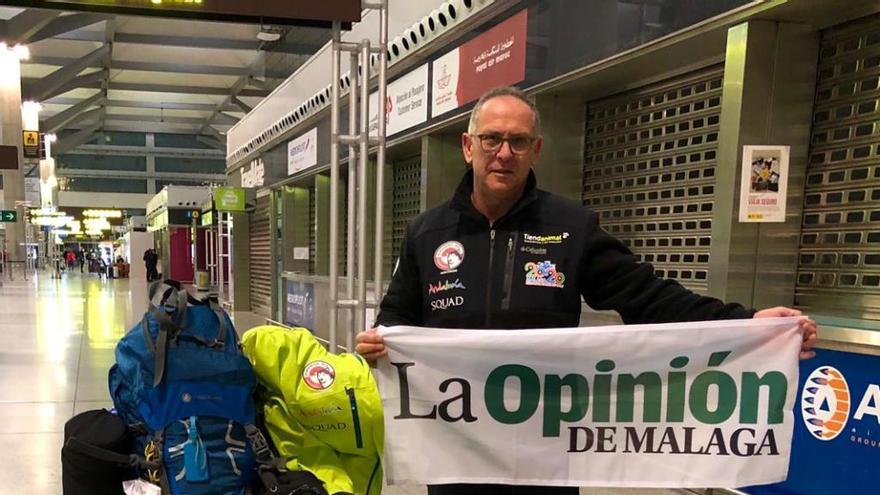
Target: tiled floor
56,345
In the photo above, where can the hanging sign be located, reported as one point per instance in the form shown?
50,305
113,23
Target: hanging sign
764,184
31,141
494,58
230,199
406,103
302,152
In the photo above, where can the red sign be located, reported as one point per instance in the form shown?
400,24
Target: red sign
495,58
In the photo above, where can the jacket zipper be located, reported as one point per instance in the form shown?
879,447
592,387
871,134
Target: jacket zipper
489,279
508,270
352,400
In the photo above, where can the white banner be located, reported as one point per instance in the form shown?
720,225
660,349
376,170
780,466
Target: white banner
406,104
302,152
679,405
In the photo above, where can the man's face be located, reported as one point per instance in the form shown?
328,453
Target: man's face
506,170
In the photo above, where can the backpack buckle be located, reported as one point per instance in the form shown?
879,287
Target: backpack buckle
259,445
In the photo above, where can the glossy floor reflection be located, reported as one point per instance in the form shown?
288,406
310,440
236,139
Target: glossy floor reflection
57,339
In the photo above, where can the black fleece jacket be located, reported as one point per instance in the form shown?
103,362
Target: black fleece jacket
528,270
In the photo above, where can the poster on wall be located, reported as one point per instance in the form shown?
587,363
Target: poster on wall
302,152
494,58
764,184
406,103
836,443
300,305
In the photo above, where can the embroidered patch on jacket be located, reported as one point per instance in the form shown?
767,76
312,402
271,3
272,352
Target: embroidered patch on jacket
449,256
544,274
319,375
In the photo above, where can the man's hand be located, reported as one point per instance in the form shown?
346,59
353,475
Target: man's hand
371,345
806,324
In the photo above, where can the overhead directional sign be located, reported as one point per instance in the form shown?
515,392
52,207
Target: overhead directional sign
264,11
8,216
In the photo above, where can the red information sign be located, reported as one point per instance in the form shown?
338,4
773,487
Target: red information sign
495,58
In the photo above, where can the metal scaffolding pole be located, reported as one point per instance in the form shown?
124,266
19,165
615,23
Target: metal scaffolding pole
354,302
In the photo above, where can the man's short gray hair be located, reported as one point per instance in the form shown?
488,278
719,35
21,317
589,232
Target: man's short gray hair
505,91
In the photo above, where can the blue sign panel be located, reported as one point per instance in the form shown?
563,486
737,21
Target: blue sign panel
300,305
836,443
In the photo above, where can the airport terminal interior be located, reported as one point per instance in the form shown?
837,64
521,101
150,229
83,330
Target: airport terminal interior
271,157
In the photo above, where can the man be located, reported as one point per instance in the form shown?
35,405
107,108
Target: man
524,257
151,260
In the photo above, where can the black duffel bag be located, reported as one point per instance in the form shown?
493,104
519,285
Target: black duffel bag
96,457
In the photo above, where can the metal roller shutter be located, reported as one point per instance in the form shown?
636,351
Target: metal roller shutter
261,258
407,186
649,171
839,266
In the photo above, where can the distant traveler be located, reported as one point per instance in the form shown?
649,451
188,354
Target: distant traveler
151,260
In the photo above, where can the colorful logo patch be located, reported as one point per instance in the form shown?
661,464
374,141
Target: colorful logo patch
444,286
544,274
448,256
825,403
319,375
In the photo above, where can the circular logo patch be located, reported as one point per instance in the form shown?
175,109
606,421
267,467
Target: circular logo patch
825,403
448,256
319,375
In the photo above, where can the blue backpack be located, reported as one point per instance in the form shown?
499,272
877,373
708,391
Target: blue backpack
181,380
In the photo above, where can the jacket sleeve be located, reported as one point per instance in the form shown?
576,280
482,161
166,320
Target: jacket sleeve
402,304
612,278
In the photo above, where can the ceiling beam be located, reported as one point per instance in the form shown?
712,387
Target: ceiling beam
217,70
290,48
80,137
168,88
26,24
90,80
240,104
153,88
66,24
153,118
141,127
212,143
44,88
59,120
213,132
157,105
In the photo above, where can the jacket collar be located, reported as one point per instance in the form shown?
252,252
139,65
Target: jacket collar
461,200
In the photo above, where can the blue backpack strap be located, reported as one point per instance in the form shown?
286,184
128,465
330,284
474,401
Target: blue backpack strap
220,341
161,297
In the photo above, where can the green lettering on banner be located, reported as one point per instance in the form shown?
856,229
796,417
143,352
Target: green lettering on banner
553,413
777,390
652,387
726,389
530,393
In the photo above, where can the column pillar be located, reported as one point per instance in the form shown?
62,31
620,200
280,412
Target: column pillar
769,87
10,135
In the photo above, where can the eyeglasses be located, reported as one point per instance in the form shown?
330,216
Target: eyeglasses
492,143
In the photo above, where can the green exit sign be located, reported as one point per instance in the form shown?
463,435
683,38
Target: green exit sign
8,216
